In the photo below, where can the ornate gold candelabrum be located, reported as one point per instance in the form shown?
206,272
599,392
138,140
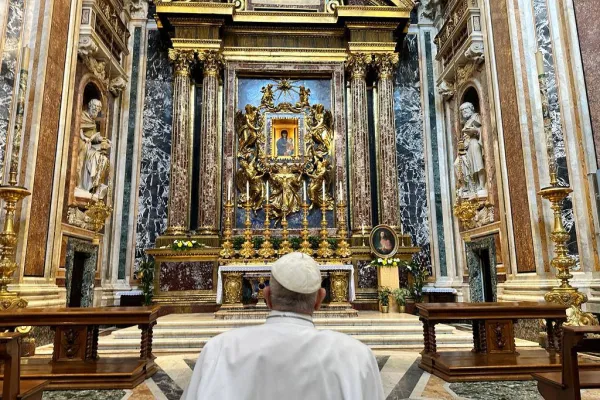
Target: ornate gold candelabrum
227,251
324,250
286,246
343,248
11,194
247,250
97,213
305,245
266,249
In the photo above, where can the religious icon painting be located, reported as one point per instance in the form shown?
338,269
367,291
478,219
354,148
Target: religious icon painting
384,241
284,143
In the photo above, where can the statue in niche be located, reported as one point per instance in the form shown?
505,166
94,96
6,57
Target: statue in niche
93,164
475,166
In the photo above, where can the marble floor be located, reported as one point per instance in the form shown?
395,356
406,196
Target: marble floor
402,379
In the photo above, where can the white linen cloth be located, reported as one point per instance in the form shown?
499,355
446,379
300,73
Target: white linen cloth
286,358
267,268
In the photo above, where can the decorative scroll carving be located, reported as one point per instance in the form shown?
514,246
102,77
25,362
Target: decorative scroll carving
212,61
182,61
385,64
70,342
446,90
475,53
117,85
138,9
232,287
357,64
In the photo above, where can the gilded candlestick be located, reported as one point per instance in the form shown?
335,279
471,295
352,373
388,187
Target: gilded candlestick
343,248
227,250
266,249
285,247
247,250
325,250
305,245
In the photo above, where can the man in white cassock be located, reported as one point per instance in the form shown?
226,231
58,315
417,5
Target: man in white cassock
287,357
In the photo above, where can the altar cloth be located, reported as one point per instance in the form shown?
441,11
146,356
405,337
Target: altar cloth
267,268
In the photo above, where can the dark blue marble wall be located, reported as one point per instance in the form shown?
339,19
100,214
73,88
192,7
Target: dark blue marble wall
8,68
542,27
156,145
410,145
131,128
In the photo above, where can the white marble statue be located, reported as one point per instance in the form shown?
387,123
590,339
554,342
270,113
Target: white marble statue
93,164
474,149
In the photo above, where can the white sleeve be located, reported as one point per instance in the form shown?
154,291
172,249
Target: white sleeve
373,387
204,365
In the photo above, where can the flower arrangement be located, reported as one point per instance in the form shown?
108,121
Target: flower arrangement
388,262
183,245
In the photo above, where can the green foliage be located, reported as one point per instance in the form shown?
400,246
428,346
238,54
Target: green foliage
257,241
333,243
401,294
314,242
146,276
295,242
237,241
276,241
420,272
384,295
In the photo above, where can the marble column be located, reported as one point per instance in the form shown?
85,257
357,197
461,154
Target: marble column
179,191
357,65
208,210
389,199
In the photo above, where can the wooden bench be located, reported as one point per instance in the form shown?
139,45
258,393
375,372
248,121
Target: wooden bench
75,363
12,387
566,384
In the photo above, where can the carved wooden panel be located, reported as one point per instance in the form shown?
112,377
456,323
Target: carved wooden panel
70,343
500,336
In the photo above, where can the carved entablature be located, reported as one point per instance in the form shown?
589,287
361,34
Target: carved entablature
460,40
103,38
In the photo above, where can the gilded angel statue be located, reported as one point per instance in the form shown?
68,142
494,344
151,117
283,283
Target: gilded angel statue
249,127
304,97
320,134
320,174
267,97
286,189
251,171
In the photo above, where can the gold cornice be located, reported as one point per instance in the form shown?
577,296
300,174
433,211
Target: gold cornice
180,7
372,47
192,21
284,17
373,11
281,54
207,44
291,30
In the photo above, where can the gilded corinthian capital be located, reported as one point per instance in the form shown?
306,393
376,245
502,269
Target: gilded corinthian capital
182,60
385,64
212,61
357,65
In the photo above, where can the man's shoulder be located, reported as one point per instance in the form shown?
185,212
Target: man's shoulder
341,340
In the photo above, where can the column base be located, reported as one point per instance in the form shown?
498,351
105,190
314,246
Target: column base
176,231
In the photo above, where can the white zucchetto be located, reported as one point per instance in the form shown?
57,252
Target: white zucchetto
297,272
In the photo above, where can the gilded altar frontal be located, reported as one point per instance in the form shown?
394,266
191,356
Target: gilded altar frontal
429,156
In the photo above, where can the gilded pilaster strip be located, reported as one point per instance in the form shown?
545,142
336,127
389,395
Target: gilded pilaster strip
385,65
178,218
208,215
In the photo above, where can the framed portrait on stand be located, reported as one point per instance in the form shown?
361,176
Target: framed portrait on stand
384,241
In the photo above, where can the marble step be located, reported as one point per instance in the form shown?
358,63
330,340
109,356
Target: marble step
161,331
179,344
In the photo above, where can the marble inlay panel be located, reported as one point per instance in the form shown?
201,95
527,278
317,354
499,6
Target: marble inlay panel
497,390
475,265
187,275
367,274
83,394
8,69
542,27
131,130
410,146
156,145
89,269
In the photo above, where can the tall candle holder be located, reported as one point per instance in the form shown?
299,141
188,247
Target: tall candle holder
343,248
305,246
266,249
247,250
324,250
565,294
227,251
286,246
